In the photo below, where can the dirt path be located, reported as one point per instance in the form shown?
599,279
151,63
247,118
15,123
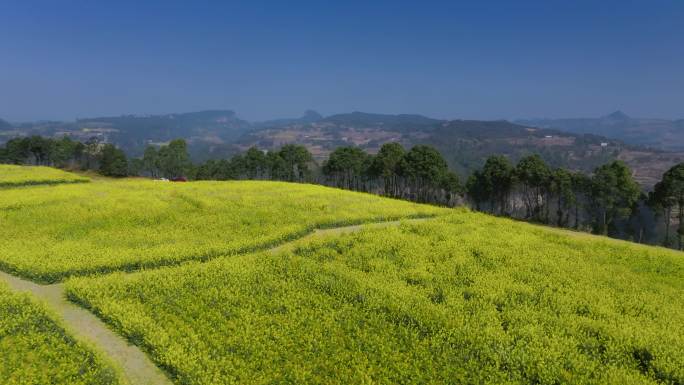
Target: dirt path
344,230
85,327
135,366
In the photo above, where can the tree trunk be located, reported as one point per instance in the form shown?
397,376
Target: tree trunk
545,203
604,230
681,223
668,214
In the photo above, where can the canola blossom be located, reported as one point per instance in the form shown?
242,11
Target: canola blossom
462,298
34,350
17,176
52,232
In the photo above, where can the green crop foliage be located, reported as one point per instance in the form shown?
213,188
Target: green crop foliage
52,232
35,350
17,176
460,299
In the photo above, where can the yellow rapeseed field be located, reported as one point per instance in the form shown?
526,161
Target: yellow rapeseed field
34,350
15,176
456,299
56,231
460,299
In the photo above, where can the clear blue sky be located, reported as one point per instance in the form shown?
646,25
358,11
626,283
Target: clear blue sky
477,59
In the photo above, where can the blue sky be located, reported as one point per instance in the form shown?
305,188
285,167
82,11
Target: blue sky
267,59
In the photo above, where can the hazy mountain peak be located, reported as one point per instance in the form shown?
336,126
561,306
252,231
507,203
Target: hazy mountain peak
617,115
358,117
311,116
4,125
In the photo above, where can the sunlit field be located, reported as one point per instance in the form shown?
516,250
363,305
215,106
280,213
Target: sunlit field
34,350
15,176
465,298
53,232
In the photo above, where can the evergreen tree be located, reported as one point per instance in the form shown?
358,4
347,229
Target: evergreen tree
498,177
424,168
614,193
581,190
113,162
255,164
278,169
150,161
534,176
670,194
561,187
348,167
296,159
174,160
385,165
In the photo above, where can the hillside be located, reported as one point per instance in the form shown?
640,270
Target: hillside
227,282
111,225
369,131
464,143
217,125
30,339
657,133
464,298
309,116
134,132
5,126
16,176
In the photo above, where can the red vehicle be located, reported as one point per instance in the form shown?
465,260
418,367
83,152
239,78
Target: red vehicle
179,179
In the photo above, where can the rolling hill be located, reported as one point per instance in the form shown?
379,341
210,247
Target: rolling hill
5,126
580,144
231,283
15,176
657,133
134,132
465,144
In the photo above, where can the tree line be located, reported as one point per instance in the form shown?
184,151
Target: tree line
104,158
608,202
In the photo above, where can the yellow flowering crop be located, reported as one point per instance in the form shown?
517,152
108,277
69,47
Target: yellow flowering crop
463,298
15,176
50,232
34,350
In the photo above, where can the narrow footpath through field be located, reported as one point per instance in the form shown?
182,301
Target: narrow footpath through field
85,327
133,363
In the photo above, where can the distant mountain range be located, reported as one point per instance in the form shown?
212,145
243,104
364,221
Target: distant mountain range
465,144
134,132
657,133
309,116
580,144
